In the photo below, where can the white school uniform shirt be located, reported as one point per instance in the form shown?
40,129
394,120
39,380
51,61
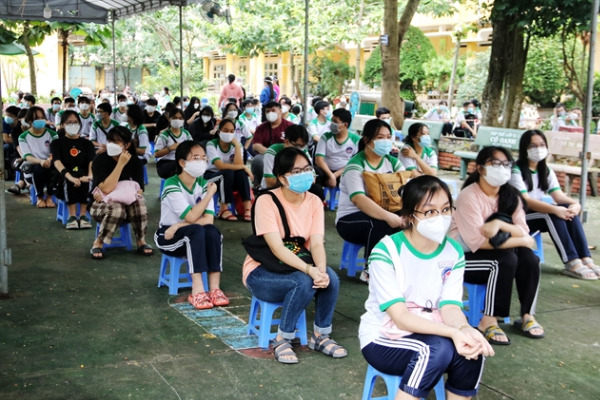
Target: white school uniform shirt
86,124
177,200
317,128
249,124
214,152
337,154
269,162
167,138
36,146
144,140
428,155
399,273
98,131
516,179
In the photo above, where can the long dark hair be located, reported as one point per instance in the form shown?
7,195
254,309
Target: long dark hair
370,131
190,110
509,198
124,134
413,132
523,161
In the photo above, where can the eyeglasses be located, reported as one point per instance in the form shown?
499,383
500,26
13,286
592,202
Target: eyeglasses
297,171
500,163
537,146
434,213
198,158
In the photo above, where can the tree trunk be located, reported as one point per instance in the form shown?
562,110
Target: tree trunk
64,35
29,52
453,76
513,91
390,56
358,46
492,93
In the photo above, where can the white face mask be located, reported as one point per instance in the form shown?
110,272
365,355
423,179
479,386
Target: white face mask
272,116
232,114
206,118
72,129
122,104
176,123
150,109
537,154
196,106
55,107
84,107
195,168
124,117
226,137
434,228
496,176
285,109
113,149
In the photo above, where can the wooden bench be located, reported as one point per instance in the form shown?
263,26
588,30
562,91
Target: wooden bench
435,129
564,155
489,136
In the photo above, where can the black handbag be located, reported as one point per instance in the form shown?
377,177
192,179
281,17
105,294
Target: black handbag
501,236
259,250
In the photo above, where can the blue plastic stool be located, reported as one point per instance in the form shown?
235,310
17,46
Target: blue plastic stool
392,383
123,240
17,177
170,274
332,197
539,247
261,327
350,260
145,175
62,211
162,185
476,303
32,195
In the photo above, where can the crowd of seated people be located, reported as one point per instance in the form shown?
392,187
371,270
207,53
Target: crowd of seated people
92,156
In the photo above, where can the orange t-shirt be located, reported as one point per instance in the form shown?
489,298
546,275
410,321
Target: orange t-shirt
304,220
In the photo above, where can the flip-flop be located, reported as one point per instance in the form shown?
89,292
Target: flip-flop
97,250
142,250
494,330
527,326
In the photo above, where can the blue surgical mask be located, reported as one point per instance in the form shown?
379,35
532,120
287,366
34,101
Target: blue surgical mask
249,110
9,120
382,147
39,124
425,141
471,110
300,183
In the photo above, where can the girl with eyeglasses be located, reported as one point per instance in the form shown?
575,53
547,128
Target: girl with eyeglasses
186,226
415,301
534,179
305,216
489,223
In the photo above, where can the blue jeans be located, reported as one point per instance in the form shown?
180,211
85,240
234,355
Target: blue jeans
295,291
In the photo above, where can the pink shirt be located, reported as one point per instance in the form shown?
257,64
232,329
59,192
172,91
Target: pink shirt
473,207
231,90
304,220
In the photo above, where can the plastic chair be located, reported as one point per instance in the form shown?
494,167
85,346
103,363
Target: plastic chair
32,195
261,326
350,260
17,177
145,175
332,196
392,383
162,185
539,246
123,240
62,211
476,303
170,274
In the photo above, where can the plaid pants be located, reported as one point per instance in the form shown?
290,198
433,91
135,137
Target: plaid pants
111,215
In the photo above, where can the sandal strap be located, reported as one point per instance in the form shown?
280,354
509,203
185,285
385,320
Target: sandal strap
530,324
279,346
493,330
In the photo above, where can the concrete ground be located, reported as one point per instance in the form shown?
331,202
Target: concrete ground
76,328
